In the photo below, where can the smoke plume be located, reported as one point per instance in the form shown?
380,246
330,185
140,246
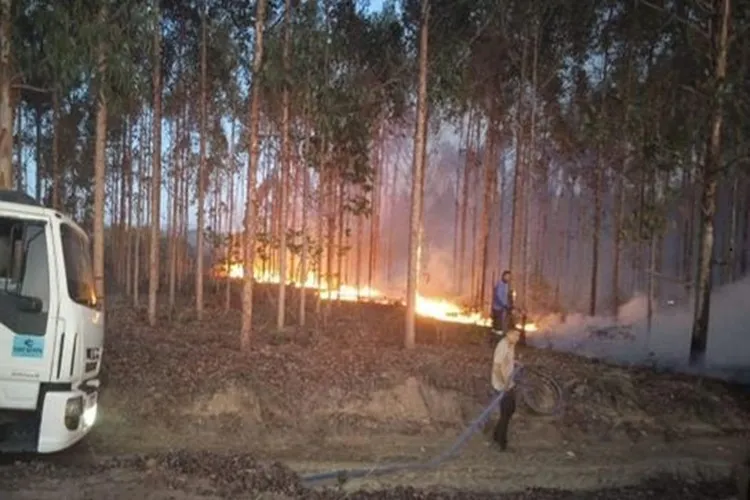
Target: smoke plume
627,340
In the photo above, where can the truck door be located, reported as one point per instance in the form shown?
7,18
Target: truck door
28,305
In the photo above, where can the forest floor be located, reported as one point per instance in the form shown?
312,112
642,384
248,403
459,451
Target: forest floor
185,415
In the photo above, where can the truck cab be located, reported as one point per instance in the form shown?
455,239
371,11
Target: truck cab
51,329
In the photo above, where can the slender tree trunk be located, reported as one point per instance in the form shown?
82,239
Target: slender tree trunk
331,231
395,194
56,184
129,219
100,170
154,243
475,246
340,243
138,216
305,216
6,107
457,220
518,181
619,208
38,154
119,256
468,166
285,164
373,265
321,232
177,179
252,173
230,221
489,186
358,258
598,188
730,255
201,174
710,173
420,146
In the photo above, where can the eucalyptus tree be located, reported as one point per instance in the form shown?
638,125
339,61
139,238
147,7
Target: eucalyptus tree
253,147
6,109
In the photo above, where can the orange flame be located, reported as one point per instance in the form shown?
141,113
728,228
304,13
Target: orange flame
437,308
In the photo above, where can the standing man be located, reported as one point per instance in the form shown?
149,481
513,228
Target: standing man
503,363
502,302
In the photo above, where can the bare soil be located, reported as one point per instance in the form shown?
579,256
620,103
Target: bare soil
186,415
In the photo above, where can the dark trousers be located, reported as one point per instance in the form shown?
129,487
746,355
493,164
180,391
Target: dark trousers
499,320
507,409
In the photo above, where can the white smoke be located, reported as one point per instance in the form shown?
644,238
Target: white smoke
627,340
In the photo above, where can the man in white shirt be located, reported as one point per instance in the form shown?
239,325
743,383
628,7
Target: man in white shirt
503,363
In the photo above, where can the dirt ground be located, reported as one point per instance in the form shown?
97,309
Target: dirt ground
185,415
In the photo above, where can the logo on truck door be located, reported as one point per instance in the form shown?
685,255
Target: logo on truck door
28,346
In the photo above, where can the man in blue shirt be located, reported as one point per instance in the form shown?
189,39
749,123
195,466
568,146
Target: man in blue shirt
501,304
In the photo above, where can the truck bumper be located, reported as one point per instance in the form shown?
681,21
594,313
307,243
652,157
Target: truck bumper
63,417
67,416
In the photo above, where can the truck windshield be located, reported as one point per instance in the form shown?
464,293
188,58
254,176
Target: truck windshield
24,275
79,272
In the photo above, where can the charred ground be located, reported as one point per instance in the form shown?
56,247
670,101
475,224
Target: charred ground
186,414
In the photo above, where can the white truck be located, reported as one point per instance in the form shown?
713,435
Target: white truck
51,329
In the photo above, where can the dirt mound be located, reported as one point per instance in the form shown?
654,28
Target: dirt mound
232,400
412,401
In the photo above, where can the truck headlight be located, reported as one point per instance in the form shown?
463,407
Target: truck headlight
73,412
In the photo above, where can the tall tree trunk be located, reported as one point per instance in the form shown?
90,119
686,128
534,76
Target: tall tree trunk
138,216
373,265
285,164
468,166
6,108
490,169
720,24
360,244
177,179
201,174
100,169
516,232
420,146
730,259
252,173
230,220
340,211
129,220
120,256
395,195
619,208
305,247
19,170
321,232
154,243
598,188
56,184
457,216
38,154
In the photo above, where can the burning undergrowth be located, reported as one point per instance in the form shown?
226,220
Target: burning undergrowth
352,373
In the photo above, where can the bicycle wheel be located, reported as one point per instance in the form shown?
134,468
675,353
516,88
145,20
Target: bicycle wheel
540,392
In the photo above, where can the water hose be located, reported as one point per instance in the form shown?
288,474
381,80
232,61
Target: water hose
343,475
